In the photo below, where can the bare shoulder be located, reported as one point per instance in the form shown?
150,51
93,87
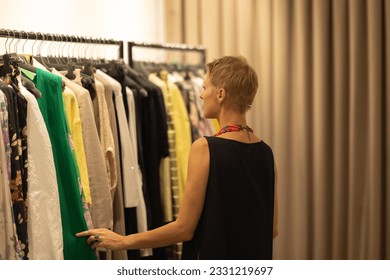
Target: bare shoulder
198,165
200,145
199,152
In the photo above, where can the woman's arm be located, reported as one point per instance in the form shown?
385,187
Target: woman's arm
180,230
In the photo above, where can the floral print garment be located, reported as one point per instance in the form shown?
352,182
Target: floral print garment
4,129
9,247
23,161
17,112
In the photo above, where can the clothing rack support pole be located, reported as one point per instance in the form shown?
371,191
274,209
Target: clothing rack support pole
121,49
130,53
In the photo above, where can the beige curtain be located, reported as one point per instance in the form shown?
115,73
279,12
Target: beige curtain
323,105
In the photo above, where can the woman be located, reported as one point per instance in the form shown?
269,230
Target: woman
229,207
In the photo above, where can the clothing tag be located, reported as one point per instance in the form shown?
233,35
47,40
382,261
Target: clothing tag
28,74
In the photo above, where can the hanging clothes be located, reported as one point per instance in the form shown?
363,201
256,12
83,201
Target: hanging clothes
17,114
155,146
70,167
166,187
44,220
141,208
7,234
5,132
207,127
106,138
181,125
118,207
128,165
85,205
9,246
139,95
186,87
179,133
101,208
75,126
172,163
72,214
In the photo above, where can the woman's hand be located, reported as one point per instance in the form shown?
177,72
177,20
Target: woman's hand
103,238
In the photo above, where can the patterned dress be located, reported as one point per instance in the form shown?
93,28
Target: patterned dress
17,112
9,247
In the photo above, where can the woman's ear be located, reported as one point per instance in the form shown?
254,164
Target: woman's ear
221,95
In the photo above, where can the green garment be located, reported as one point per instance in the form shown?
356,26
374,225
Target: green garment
73,221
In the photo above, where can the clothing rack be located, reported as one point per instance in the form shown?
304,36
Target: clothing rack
167,46
7,33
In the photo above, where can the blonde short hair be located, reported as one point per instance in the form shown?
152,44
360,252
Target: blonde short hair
237,77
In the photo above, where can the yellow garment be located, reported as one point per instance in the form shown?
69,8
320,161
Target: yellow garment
183,134
182,131
73,116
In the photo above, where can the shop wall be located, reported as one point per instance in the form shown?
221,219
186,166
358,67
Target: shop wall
129,20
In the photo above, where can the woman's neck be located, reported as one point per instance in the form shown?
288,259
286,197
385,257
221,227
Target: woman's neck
232,117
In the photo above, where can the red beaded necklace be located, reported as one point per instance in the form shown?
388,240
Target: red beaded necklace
233,127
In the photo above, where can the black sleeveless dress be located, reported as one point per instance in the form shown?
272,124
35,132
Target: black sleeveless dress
237,218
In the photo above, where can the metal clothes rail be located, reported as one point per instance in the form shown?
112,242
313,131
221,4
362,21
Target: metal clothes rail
7,33
175,47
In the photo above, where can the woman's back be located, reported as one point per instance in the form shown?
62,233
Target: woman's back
237,218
